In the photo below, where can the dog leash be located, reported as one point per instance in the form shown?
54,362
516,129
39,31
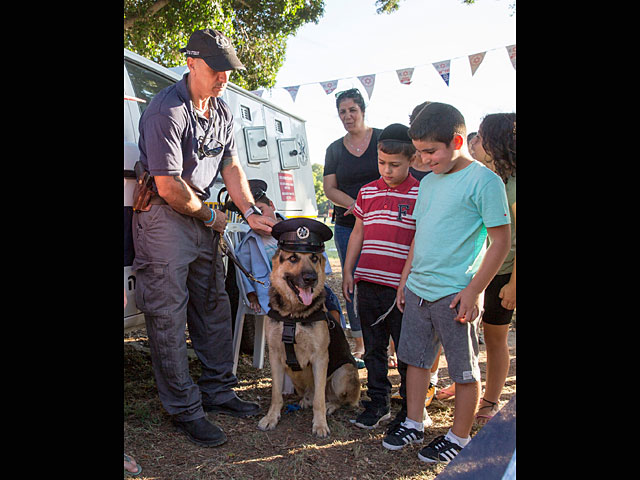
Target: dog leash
210,303
226,249
355,307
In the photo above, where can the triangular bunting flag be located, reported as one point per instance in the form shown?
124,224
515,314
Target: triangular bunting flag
404,75
443,70
368,81
293,91
511,50
475,60
257,92
329,86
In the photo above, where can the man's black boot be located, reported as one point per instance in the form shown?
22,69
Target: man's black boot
235,407
202,432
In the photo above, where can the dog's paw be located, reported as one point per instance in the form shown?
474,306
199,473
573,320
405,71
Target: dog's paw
321,430
268,423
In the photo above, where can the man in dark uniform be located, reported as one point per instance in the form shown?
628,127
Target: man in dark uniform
186,138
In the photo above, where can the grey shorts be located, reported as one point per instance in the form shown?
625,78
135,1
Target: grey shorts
427,325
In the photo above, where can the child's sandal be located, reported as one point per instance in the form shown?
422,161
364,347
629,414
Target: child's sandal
483,419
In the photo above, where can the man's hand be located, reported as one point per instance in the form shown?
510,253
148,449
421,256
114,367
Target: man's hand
260,224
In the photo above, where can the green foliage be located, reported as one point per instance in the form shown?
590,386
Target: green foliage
324,204
258,29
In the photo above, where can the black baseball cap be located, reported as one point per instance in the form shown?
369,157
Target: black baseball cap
396,132
301,235
258,190
214,48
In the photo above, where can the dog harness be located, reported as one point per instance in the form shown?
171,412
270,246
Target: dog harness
289,332
339,351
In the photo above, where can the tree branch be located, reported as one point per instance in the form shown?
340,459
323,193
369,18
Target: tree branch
158,5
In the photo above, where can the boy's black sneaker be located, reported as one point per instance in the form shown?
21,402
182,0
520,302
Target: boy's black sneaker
373,415
439,450
401,416
402,436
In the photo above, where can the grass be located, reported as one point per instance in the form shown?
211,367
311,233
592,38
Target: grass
288,452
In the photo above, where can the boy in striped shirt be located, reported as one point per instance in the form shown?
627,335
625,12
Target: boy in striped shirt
382,235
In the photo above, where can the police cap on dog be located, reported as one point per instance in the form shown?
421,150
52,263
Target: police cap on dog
301,235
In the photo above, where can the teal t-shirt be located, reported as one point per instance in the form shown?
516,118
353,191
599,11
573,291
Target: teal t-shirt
452,214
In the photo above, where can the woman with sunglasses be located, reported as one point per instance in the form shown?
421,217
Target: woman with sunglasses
350,162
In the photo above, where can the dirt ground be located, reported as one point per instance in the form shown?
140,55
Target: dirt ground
290,451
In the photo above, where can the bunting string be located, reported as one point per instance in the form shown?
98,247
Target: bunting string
404,74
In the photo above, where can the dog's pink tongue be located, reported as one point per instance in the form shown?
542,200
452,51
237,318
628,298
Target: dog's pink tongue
305,295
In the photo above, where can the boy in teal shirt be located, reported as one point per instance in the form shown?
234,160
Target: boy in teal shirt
458,205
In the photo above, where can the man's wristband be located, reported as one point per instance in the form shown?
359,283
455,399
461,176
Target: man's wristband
213,216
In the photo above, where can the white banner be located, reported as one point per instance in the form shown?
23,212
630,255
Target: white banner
368,81
293,91
511,50
329,86
404,75
443,69
475,60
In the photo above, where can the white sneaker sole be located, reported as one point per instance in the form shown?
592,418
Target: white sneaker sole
388,446
428,460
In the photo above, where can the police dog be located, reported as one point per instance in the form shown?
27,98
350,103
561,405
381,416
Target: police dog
297,292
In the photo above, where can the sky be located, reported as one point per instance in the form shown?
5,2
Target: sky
351,40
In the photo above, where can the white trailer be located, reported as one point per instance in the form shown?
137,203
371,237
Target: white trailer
272,146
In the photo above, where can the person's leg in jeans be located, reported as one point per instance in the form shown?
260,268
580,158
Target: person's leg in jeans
341,238
371,304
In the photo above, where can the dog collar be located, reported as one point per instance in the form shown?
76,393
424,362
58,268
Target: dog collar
314,317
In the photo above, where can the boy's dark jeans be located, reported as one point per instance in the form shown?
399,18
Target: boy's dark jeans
373,301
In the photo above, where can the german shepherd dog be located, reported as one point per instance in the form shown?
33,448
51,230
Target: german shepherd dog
297,290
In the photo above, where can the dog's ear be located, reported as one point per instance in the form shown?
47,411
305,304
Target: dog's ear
277,258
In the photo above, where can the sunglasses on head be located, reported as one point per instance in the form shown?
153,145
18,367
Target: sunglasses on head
352,92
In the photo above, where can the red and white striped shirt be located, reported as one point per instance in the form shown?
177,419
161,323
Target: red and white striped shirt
389,227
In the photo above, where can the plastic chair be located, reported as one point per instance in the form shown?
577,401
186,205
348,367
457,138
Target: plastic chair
233,234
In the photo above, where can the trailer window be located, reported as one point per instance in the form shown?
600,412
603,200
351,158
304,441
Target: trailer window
245,112
146,83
